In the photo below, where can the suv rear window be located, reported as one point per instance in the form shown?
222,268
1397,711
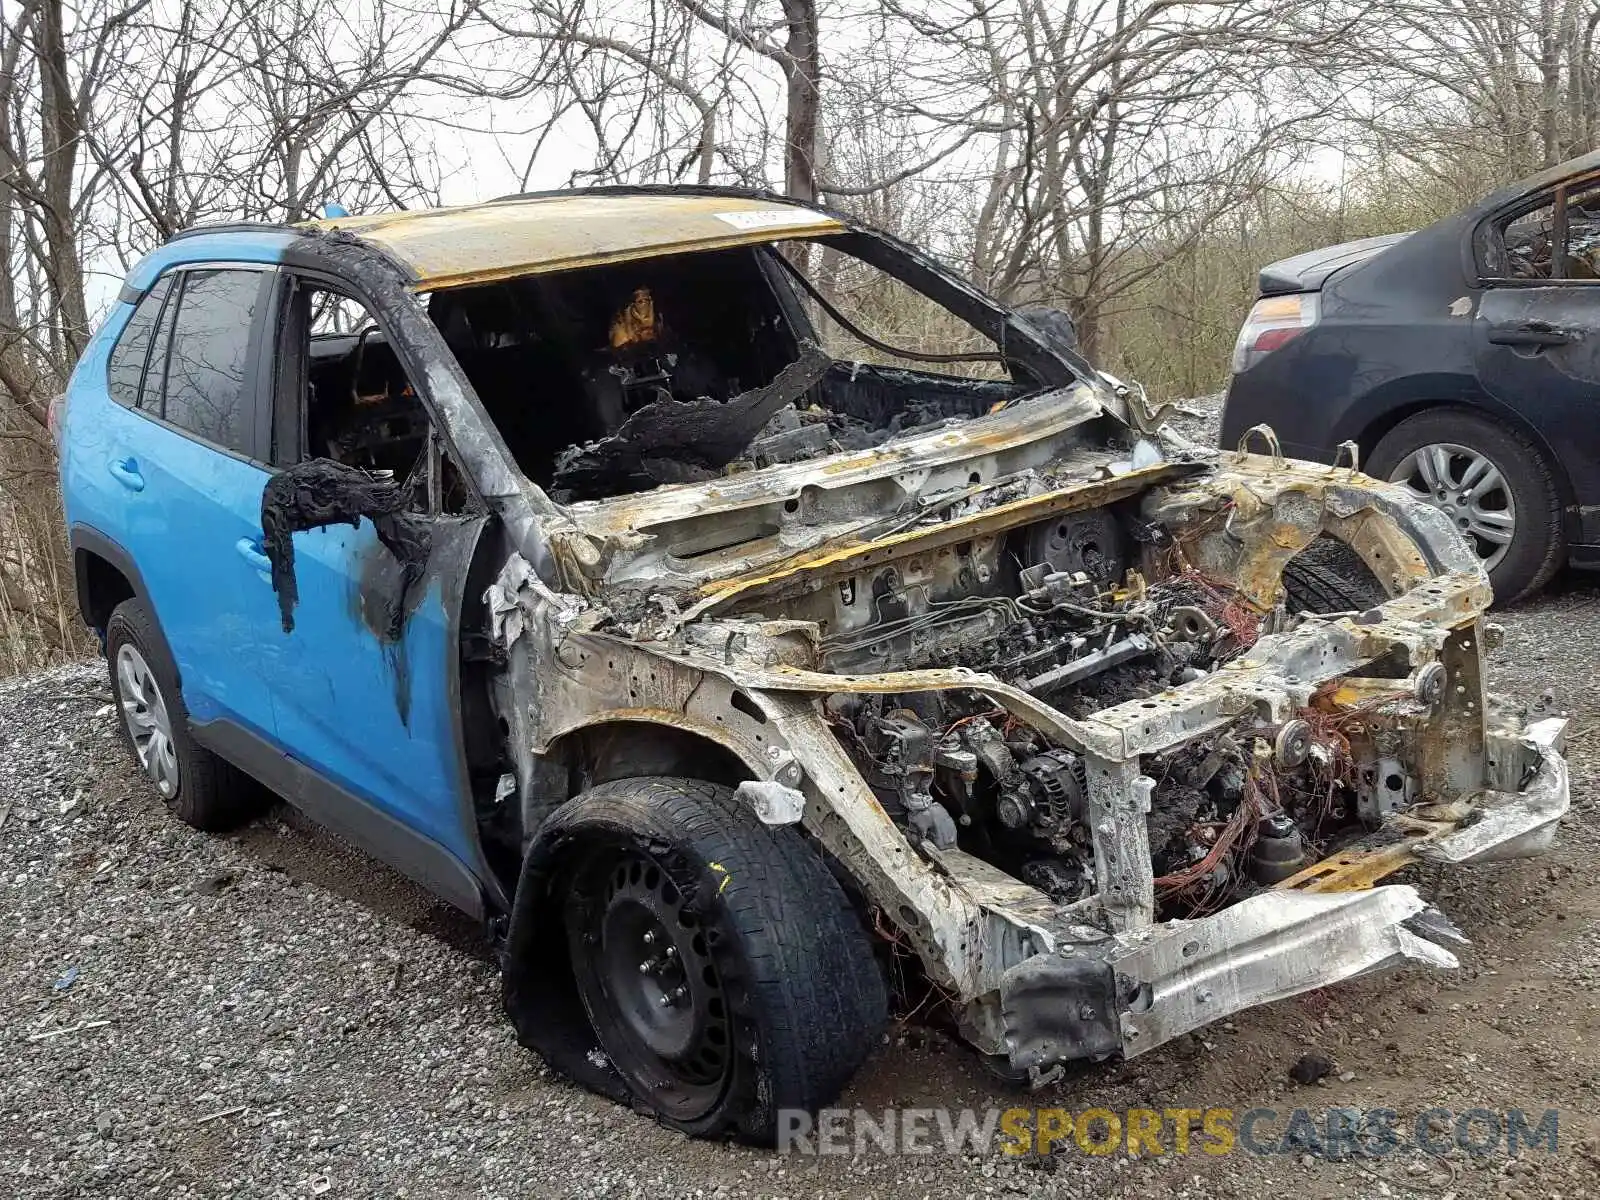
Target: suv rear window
206,386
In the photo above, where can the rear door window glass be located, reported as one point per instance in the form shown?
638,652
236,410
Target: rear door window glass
208,388
155,371
1527,244
1557,240
126,370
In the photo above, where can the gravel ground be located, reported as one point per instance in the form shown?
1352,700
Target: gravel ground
273,1015
1199,419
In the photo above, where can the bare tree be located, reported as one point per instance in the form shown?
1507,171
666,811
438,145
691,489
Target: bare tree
799,58
122,121
1477,90
1111,133
663,87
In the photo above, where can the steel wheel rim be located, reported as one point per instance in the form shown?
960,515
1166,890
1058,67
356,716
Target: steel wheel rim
1467,486
144,712
644,970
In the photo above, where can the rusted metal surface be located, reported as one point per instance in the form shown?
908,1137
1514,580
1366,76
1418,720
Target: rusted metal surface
455,247
814,507
804,572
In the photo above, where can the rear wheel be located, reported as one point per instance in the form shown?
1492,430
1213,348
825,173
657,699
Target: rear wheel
721,970
1491,481
198,786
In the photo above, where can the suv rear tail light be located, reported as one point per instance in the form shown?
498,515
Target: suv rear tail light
1275,321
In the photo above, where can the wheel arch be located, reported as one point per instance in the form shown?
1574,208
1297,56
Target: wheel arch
103,576
611,747
1378,425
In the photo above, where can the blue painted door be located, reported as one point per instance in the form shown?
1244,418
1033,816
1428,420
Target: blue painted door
366,684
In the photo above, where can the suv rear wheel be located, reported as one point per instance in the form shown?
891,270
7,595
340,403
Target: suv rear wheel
198,786
1491,481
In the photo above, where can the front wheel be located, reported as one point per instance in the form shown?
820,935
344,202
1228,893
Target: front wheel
721,973
1491,481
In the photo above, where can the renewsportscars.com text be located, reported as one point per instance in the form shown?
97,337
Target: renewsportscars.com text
1329,1133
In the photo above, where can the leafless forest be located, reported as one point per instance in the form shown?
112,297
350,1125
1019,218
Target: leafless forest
1132,161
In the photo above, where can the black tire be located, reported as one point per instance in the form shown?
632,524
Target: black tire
771,953
210,794
1329,577
1538,544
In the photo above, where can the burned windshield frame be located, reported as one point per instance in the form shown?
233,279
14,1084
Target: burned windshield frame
1019,346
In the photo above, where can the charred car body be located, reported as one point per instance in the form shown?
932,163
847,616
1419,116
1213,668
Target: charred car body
730,680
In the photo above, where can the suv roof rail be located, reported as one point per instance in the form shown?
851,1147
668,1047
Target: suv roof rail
229,227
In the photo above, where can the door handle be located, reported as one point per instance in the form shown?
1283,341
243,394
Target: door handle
250,550
1535,333
126,472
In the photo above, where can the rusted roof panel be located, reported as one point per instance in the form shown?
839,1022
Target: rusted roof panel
454,247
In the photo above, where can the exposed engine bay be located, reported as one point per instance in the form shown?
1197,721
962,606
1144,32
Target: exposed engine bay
1080,628
1151,720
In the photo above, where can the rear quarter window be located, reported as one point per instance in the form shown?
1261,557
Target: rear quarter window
125,371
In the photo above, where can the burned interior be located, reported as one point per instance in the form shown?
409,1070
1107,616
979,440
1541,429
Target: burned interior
572,366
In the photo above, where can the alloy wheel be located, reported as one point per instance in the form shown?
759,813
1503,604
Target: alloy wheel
1468,488
144,710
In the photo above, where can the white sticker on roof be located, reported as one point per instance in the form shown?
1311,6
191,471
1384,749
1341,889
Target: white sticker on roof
769,218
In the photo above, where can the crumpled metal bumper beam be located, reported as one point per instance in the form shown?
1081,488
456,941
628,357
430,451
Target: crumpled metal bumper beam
1167,979
1184,974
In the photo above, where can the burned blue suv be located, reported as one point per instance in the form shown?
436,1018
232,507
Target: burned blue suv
731,657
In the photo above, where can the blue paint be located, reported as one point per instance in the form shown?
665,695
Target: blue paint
374,715
177,507
263,245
